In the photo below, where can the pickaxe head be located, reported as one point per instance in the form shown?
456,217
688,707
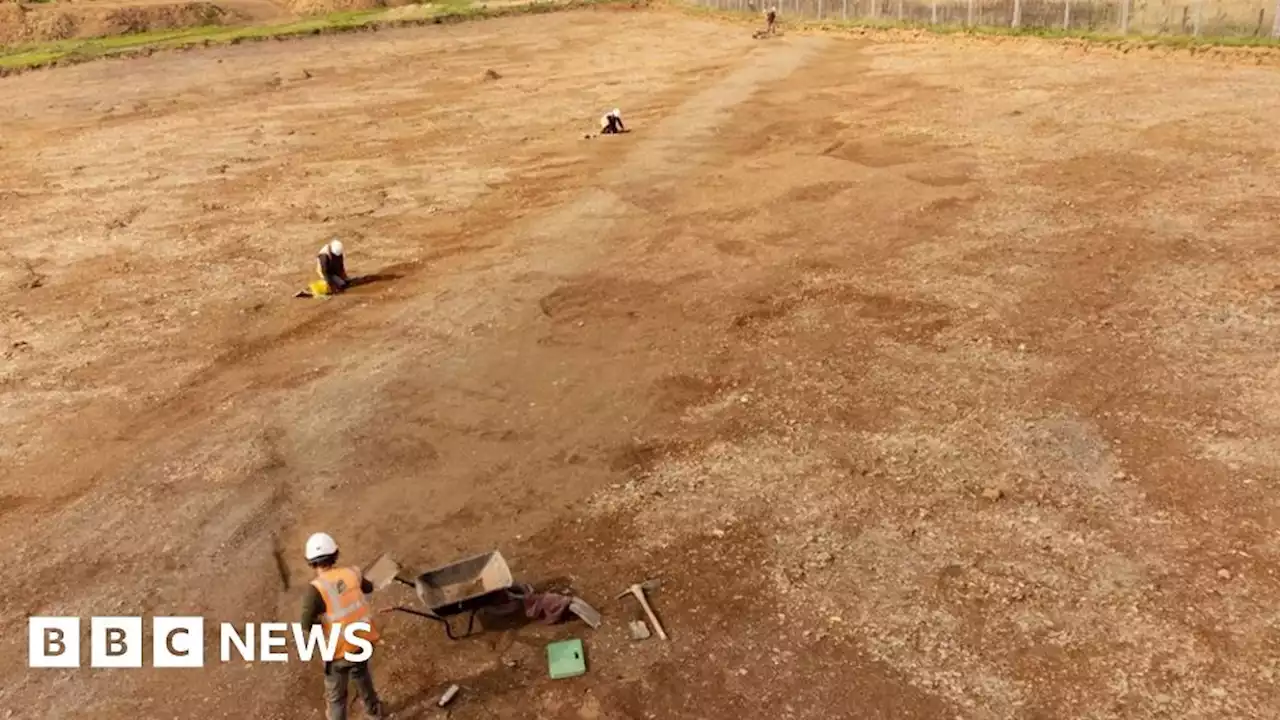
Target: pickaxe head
646,586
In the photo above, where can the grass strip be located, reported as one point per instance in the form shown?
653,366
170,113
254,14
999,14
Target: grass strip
1098,37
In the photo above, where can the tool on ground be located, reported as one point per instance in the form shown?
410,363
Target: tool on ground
448,695
566,659
588,614
639,631
638,591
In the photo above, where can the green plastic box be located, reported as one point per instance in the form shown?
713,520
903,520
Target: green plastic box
566,659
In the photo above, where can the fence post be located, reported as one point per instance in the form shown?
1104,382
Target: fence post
1017,13
933,12
844,9
1275,22
900,14
1124,17
969,17
1196,19
1066,15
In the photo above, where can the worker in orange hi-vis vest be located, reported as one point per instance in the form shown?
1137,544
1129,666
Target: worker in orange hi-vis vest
336,597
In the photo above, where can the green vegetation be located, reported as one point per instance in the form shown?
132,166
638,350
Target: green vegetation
35,55
1095,37
1100,37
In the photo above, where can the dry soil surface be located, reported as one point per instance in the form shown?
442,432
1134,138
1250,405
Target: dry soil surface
934,381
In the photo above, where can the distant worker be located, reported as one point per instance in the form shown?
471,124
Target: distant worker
771,20
337,596
332,267
611,123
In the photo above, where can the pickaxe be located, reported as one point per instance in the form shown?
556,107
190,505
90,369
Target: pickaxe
638,591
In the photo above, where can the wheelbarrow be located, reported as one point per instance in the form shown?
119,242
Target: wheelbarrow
465,586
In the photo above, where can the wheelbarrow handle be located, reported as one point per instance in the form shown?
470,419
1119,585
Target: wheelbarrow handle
411,611
448,629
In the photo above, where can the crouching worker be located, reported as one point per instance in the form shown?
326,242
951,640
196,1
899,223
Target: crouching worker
337,596
332,270
611,123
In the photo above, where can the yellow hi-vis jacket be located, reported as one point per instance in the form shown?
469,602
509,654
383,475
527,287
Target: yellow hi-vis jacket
344,603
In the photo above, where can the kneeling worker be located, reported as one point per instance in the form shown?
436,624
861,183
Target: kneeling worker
332,268
337,596
611,123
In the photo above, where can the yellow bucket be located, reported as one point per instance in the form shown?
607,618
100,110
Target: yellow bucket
319,288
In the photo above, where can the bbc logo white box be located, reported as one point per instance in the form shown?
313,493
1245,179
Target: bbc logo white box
177,642
53,642
115,642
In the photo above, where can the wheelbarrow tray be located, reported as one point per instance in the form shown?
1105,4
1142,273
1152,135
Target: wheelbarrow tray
465,585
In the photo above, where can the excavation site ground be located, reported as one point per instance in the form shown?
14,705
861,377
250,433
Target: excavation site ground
933,378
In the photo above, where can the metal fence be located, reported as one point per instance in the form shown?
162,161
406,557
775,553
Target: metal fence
1216,18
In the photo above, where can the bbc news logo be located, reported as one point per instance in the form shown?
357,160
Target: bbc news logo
178,642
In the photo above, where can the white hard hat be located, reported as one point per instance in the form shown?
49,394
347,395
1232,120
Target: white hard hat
319,545
617,112
335,247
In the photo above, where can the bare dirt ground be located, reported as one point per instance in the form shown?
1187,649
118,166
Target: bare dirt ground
935,381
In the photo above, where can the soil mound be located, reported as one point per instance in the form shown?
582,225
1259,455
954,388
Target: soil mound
320,7
35,23
11,19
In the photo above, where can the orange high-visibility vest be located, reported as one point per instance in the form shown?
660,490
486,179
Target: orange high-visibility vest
344,603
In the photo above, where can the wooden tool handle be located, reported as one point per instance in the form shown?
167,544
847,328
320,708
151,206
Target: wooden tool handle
653,619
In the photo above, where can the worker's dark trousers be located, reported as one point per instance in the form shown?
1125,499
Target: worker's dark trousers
336,675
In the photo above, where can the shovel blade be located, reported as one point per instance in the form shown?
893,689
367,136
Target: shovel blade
382,572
